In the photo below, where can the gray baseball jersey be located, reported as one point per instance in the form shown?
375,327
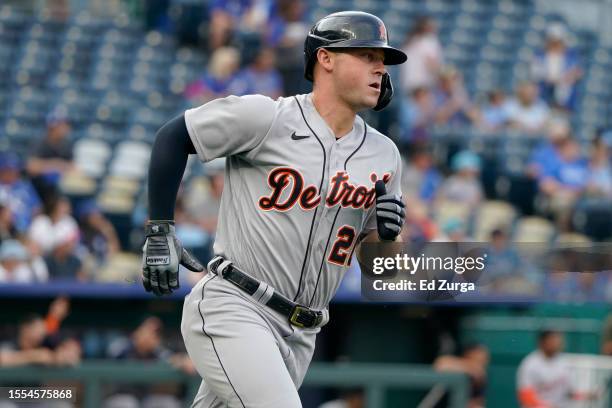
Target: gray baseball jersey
548,377
296,199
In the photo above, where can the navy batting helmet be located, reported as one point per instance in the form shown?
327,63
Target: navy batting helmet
352,29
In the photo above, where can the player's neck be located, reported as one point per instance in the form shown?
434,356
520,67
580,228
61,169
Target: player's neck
336,114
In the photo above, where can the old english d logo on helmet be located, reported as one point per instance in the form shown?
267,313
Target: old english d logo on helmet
352,29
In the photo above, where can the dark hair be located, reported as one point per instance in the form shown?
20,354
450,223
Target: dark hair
419,27
546,333
419,90
418,149
51,202
498,232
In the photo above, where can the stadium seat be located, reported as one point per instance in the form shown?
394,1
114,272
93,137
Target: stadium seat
533,229
91,156
120,267
130,160
491,215
572,238
115,202
445,211
124,185
77,183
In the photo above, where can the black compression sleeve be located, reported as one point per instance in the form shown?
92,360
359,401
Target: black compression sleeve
168,160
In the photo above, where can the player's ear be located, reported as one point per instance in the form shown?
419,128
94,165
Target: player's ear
325,59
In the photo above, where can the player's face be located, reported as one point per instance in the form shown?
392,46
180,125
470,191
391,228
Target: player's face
358,74
553,344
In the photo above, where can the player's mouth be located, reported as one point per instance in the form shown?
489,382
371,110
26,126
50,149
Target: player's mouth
375,85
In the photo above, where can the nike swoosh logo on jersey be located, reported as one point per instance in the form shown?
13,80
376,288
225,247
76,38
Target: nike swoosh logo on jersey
298,137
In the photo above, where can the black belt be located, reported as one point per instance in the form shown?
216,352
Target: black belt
300,316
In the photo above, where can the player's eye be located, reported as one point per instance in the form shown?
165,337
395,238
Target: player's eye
369,56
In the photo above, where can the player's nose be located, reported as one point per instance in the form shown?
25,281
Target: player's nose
379,69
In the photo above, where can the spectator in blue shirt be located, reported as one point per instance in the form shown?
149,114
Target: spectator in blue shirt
219,79
545,157
17,193
229,16
453,105
417,113
261,76
557,68
572,171
565,183
493,115
420,178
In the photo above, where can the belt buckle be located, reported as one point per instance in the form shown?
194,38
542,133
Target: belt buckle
301,316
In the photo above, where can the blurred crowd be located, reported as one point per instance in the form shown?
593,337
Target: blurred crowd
257,47
44,235
564,167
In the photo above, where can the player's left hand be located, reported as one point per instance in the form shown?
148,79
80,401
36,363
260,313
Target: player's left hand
162,255
390,213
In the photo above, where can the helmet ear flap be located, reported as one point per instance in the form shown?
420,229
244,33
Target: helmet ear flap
386,92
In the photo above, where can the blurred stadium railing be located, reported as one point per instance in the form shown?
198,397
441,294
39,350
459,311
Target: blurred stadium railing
374,378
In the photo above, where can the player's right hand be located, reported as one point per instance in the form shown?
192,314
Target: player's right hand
162,255
390,212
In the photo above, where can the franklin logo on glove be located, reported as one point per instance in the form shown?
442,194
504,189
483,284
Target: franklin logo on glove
157,260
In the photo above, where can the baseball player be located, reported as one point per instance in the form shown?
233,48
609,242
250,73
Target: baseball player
306,181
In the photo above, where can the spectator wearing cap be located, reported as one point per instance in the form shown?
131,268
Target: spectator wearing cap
17,193
556,69
98,234
526,112
463,186
16,265
52,156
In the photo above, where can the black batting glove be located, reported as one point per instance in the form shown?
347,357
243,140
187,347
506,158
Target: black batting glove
162,255
390,213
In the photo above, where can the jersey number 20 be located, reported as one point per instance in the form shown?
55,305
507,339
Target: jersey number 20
340,251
